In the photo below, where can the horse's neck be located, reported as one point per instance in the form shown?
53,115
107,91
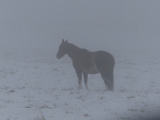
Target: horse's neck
73,51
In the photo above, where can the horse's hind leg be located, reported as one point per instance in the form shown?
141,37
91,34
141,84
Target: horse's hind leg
108,80
85,76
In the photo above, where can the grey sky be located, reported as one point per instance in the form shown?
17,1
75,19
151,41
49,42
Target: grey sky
107,24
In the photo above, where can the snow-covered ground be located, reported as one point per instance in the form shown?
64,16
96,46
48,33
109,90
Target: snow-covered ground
40,87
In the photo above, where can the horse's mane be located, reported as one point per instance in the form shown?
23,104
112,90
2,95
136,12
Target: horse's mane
72,46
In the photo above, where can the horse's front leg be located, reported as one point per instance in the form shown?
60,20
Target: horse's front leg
79,75
85,76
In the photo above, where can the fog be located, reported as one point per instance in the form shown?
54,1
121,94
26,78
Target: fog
114,25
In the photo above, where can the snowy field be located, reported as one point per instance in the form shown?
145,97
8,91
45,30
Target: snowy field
40,87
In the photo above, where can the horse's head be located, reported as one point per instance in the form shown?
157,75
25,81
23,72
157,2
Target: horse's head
62,49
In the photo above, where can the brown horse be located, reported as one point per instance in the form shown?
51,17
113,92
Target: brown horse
86,62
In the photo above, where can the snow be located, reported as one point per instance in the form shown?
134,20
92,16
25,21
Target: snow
40,87
35,85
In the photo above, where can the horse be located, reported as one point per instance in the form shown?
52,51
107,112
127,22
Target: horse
86,62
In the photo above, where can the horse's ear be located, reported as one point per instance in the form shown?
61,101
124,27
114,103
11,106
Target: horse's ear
66,41
62,40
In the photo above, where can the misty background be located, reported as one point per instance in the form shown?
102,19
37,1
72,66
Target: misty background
112,25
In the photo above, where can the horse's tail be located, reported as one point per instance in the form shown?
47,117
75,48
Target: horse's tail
110,79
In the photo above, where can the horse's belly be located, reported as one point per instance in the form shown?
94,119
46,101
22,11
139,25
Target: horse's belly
91,70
